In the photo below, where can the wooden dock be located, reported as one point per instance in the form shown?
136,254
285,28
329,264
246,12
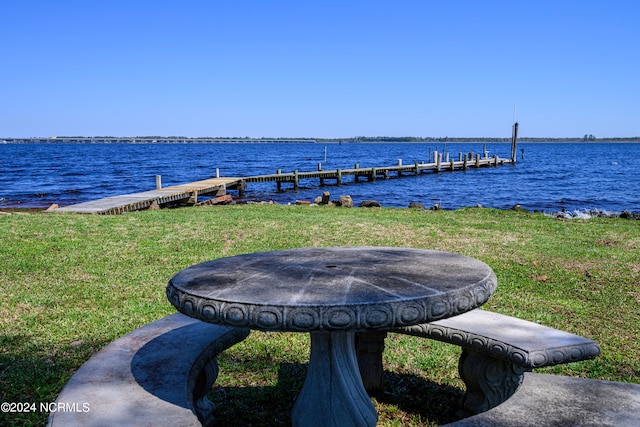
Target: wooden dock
159,197
188,193
439,164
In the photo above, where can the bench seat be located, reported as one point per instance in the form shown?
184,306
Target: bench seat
559,401
496,352
514,340
159,375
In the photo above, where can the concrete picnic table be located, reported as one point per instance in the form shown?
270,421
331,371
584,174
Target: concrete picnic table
332,293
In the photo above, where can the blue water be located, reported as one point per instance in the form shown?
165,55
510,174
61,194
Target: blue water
550,177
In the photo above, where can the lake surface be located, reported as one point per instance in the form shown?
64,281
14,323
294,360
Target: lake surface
550,177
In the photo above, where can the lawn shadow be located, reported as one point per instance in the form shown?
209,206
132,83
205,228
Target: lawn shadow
403,396
412,394
33,374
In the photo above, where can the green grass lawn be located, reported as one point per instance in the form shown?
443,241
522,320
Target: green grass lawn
70,284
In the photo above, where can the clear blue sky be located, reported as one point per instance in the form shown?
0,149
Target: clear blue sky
320,68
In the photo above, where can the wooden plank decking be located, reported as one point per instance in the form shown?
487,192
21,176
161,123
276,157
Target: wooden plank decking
384,172
143,200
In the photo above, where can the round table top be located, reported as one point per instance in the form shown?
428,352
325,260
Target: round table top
335,288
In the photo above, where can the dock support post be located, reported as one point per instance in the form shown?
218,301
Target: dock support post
438,162
477,160
194,198
372,177
417,168
484,150
295,179
217,172
464,165
319,167
278,182
514,137
158,182
355,175
339,177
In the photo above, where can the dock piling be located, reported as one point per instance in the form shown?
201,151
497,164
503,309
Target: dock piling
514,142
194,198
158,182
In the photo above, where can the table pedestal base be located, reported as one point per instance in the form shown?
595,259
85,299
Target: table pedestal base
333,394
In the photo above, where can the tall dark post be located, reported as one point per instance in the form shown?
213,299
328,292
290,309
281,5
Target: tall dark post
514,142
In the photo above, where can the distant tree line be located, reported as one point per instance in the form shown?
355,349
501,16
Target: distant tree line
355,139
588,138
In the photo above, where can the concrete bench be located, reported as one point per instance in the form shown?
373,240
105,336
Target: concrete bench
496,352
559,401
149,377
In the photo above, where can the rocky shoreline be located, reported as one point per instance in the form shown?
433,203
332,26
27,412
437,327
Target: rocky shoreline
593,213
346,201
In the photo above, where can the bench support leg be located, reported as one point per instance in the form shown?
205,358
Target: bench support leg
205,372
369,348
204,382
489,381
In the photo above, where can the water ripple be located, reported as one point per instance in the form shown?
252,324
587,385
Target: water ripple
551,176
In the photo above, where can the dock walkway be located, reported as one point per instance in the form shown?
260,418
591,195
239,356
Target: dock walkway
162,196
371,174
